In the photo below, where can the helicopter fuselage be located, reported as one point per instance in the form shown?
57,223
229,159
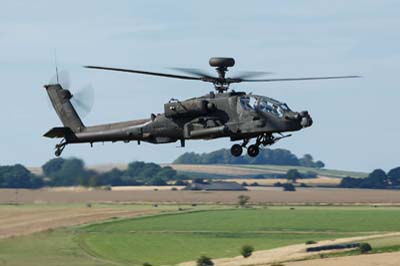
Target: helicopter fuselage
236,115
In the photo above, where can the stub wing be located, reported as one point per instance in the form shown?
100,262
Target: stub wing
58,132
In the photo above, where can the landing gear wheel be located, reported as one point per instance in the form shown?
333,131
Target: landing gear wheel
236,150
58,152
253,150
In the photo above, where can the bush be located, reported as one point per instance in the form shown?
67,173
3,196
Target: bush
147,264
204,261
310,242
365,247
243,200
288,187
246,251
174,189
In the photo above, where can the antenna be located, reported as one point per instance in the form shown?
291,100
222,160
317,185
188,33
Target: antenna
56,64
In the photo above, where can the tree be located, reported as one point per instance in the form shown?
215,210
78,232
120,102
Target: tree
17,176
243,200
53,166
111,178
319,164
134,169
166,173
267,156
376,179
204,261
394,176
71,173
365,248
306,161
293,175
66,172
157,181
350,182
246,251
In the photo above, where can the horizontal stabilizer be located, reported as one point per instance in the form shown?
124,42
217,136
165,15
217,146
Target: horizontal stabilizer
58,132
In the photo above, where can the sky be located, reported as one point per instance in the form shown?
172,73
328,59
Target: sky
356,124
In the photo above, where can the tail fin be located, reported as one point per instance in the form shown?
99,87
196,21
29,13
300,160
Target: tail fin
60,98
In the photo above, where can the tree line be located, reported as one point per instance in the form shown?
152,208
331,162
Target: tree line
377,179
266,156
72,172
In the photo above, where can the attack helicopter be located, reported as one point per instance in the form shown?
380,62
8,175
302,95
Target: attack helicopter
225,113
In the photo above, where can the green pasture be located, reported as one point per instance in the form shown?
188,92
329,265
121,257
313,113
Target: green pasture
170,238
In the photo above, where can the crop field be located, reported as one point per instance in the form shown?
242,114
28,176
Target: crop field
26,219
261,195
219,171
171,238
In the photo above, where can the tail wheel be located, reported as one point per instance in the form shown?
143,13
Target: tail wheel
253,150
236,150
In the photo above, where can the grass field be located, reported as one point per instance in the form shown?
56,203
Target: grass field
168,239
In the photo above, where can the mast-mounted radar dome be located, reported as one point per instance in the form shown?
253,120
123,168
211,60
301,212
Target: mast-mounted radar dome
222,62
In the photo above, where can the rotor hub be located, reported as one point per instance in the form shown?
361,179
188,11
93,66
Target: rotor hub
221,65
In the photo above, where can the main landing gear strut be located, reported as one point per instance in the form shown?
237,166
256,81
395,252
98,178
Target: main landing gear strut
254,149
60,147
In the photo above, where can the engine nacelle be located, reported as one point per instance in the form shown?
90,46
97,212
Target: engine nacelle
186,109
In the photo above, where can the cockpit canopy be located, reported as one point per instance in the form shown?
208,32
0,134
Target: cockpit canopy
263,104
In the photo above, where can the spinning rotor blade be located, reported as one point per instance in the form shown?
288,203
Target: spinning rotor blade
221,82
195,71
249,74
145,72
83,100
293,79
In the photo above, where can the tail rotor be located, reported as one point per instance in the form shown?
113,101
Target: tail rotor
82,98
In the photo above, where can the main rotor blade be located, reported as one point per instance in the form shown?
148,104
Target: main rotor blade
194,71
250,74
293,79
145,72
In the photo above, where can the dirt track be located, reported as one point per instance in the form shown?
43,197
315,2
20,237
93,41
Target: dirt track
297,252
268,195
385,259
